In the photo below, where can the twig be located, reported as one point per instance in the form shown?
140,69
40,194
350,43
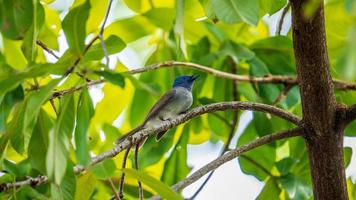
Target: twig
113,189
53,106
122,178
277,79
29,181
103,46
233,154
281,20
233,127
283,94
48,50
140,189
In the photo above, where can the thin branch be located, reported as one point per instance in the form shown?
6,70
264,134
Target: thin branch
283,94
122,178
54,106
233,154
113,189
140,189
29,181
138,136
281,20
276,79
48,50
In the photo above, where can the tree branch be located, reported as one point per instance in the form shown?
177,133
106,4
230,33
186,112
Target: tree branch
281,20
233,154
276,79
48,50
29,181
236,105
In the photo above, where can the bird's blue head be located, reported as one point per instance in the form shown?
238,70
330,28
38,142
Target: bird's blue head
185,81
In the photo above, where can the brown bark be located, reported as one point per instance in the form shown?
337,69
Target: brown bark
324,135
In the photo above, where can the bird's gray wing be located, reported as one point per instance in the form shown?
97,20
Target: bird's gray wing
163,101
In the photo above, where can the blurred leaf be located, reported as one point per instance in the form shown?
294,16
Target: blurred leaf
74,27
236,51
285,165
112,77
29,44
161,17
59,138
208,8
21,126
270,190
104,170
347,156
16,18
295,187
113,45
234,11
7,103
258,162
85,112
85,186
39,142
66,190
271,6
153,151
179,29
27,192
175,167
162,189
351,129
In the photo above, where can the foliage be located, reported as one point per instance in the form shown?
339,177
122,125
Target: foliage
36,139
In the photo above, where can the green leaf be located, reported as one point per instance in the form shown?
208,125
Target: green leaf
104,170
208,8
7,103
113,45
39,142
234,11
153,151
236,51
161,17
59,138
258,162
112,77
162,189
175,167
179,28
85,112
67,189
29,46
270,190
347,156
271,6
74,25
85,186
21,126
285,165
296,188
16,18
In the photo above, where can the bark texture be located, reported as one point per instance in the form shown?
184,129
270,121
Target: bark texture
323,135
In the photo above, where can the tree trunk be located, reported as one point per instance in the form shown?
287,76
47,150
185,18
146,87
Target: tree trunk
324,135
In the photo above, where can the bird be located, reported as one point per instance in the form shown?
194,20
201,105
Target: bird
173,103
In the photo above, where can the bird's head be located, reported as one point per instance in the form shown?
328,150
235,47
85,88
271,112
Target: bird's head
185,81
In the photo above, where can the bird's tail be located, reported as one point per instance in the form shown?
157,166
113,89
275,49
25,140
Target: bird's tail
133,131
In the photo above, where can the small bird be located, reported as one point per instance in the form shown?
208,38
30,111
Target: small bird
174,102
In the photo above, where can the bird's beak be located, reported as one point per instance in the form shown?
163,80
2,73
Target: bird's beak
194,77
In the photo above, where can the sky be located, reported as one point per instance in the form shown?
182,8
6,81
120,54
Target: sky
228,182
